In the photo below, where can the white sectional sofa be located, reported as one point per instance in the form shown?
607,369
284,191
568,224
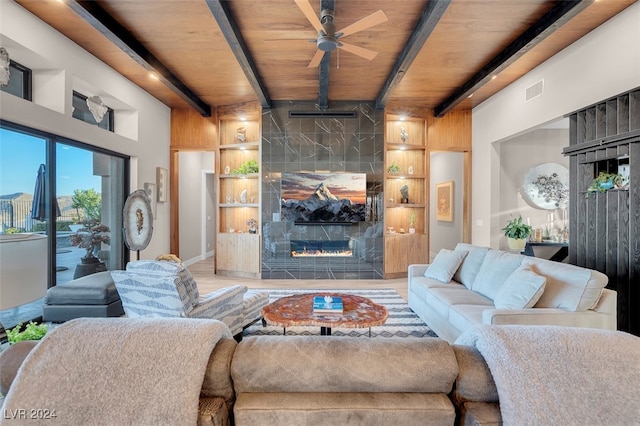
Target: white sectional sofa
478,285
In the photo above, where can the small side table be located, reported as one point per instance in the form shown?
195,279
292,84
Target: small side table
558,256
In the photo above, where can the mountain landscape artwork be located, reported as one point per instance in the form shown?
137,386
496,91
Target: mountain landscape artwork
319,198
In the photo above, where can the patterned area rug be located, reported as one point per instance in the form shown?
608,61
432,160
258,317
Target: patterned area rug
402,321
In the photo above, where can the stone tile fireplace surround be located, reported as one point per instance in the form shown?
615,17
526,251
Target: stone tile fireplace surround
324,144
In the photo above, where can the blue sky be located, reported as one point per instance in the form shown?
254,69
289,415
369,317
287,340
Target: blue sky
21,156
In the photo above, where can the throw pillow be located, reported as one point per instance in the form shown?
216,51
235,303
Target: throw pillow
521,290
495,269
471,264
445,265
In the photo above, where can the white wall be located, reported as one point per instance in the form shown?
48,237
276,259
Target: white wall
518,156
443,167
602,64
144,132
194,203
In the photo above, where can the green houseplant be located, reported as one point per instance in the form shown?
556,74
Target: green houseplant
248,167
517,233
32,331
393,169
603,182
412,222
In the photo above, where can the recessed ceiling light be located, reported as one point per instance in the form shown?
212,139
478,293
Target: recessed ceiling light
470,96
493,77
154,76
403,117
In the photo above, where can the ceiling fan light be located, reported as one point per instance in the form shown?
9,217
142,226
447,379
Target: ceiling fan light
326,43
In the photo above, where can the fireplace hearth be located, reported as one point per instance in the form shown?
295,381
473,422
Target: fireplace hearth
312,248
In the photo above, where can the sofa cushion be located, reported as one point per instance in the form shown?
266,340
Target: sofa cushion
445,265
464,316
471,264
336,364
568,287
495,269
442,299
521,290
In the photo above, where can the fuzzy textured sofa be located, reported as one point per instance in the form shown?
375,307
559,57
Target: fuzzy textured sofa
547,375
474,285
329,380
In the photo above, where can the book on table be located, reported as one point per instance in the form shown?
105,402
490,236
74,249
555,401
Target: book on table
327,306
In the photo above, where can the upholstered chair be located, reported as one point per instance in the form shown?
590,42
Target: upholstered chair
150,288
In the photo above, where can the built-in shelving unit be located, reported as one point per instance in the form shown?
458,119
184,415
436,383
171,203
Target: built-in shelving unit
406,148
237,249
605,226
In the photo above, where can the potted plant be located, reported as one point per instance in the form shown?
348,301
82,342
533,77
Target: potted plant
90,238
517,233
246,168
412,222
603,182
393,169
31,331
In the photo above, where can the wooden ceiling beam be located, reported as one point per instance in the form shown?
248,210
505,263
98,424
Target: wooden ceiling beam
221,11
99,19
557,16
428,20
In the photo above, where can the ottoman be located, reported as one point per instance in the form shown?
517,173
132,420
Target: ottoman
93,295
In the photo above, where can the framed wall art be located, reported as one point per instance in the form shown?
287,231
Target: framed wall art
161,182
444,201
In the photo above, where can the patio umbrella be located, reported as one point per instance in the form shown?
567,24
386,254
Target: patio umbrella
39,204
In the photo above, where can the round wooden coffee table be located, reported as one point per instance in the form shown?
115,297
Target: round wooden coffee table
297,310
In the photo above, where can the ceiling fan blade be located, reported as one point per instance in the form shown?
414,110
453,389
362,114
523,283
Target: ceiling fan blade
315,61
367,22
360,51
308,11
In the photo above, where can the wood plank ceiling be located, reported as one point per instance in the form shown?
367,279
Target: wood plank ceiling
430,54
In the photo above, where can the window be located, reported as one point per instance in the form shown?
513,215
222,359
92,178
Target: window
19,81
81,112
84,188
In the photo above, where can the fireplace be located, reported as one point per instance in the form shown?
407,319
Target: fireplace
314,248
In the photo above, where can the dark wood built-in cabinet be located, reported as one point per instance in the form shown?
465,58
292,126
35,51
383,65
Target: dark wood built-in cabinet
605,226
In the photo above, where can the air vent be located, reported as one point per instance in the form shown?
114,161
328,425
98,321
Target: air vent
323,114
534,91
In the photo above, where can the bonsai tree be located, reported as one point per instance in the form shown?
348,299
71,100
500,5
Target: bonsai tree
517,232
90,238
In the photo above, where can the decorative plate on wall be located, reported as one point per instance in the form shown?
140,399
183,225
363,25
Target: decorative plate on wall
547,186
138,220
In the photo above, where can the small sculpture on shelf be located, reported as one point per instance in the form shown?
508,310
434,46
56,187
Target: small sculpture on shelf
241,134
253,225
404,191
243,196
393,169
403,135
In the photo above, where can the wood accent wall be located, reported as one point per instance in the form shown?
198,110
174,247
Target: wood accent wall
191,131
451,132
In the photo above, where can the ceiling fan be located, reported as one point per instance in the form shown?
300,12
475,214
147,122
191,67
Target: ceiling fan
327,40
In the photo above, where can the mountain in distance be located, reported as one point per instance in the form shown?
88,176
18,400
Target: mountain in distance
322,207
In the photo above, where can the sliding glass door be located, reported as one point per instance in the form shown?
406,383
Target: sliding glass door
68,192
